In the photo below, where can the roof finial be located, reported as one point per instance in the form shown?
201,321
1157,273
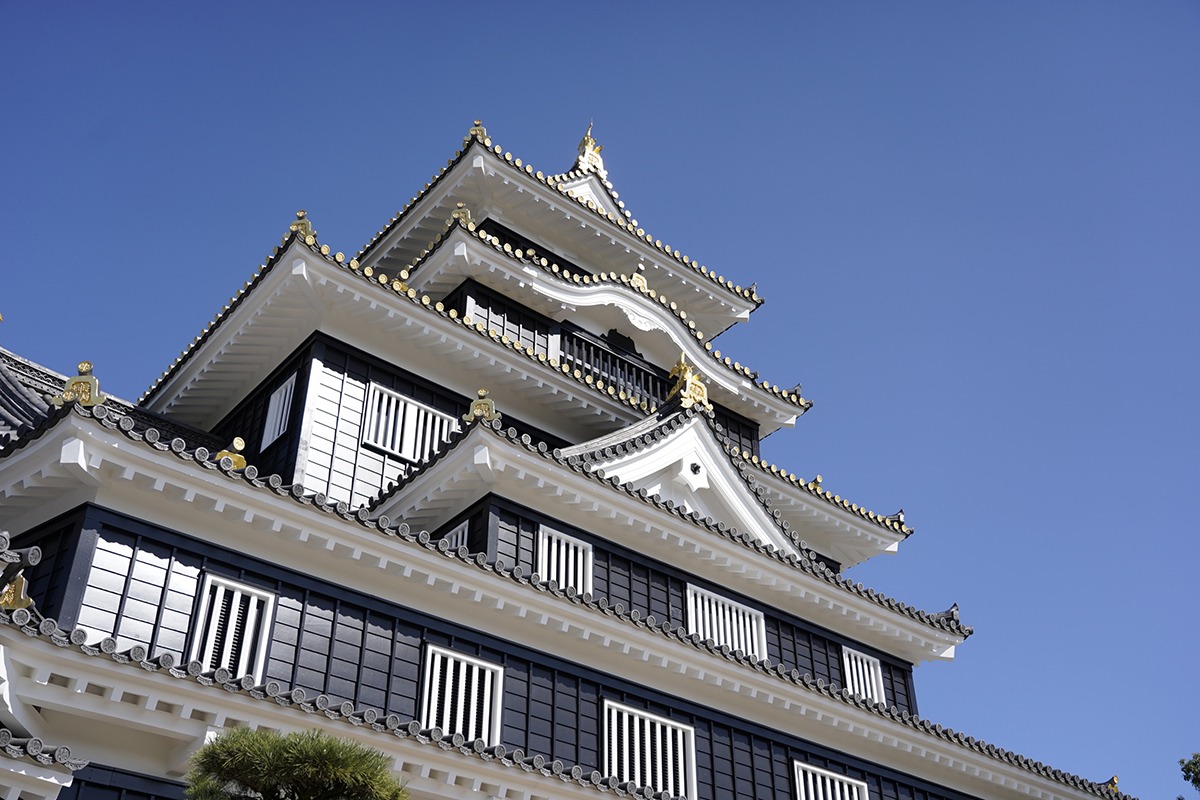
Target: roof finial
688,385
478,131
302,227
482,409
83,389
589,159
462,214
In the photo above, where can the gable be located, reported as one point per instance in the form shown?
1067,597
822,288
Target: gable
591,192
690,469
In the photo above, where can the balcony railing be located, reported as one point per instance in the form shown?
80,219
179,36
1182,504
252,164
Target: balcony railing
590,355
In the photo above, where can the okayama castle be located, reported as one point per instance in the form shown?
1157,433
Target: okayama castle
485,497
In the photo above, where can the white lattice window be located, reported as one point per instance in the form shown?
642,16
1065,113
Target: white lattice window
279,408
457,536
462,695
820,784
649,751
864,675
233,627
403,427
564,560
726,622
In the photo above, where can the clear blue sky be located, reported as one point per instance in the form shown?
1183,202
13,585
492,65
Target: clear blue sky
977,227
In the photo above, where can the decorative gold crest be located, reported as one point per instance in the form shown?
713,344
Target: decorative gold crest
478,131
302,227
689,385
638,279
14,595
462,214
589,154
484,408
234,453
83,389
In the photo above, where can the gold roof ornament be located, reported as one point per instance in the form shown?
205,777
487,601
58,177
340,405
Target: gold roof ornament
638,279
484,408
689,385
1111,783
302,227
234,453
477,130
83,389
462,214
15,595
589,155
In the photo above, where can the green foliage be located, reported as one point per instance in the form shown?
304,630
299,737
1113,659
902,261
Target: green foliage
309,765
1191,770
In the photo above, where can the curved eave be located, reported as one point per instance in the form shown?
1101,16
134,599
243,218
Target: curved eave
832,524
473,464
465,252
513,191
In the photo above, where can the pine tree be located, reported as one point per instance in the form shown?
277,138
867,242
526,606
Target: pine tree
308,765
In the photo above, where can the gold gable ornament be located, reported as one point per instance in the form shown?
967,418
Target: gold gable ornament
234,453
83,389
462,214
15,595
638,279
589,154
302,227
483,408
689,385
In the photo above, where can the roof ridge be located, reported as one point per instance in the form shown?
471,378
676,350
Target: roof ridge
478,135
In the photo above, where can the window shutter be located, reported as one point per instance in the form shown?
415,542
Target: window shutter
864,675
649,751
403,427
462,695
564,560
820,784
712,616
279,408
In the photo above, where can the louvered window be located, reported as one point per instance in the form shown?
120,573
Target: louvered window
864,675
649,751
233,630
726,622
279,408
457,536
564,560
819,784
403,427
462,695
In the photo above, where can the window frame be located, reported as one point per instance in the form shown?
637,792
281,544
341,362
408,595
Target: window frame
686,772
696,595
279,412
206,625
372,437
859,790
869,669
493,706
547,535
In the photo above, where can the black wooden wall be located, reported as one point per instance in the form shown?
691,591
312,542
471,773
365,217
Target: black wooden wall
331,640
654,588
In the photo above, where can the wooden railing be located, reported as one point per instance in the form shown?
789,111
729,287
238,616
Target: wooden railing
582,351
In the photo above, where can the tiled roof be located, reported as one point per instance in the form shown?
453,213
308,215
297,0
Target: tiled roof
35,380
479,232
479,135
137,657
742,460
402,289
893,522
31,748
807,561
20,406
